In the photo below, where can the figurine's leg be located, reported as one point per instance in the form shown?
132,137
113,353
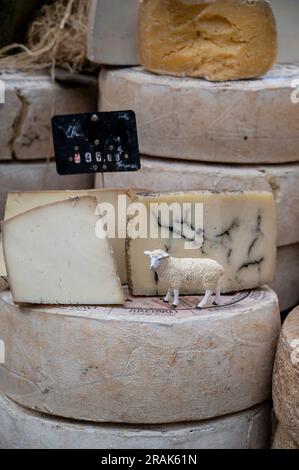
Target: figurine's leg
218,296
176,301
206,300
168,296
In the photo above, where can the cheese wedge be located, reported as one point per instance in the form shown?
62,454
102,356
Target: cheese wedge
53,256
19,202
239,231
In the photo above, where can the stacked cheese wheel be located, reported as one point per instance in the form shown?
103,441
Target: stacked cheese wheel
285,385
29,102
195,134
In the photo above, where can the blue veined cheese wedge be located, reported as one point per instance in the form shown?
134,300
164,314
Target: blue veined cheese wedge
239,231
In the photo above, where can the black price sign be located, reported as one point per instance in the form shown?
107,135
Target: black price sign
96,143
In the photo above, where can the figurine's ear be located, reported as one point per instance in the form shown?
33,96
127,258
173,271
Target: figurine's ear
148,253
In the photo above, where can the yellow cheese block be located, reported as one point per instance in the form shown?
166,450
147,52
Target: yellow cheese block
215,39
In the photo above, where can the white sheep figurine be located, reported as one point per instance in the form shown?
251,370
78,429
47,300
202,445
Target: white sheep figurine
187,273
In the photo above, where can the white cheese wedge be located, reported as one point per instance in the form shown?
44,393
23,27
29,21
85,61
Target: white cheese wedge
23,429
53,256
285,377
20,202
249,121
141,363
239,231
112,32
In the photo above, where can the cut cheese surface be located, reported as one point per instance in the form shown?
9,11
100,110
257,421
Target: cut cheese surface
20,202
193,119
143,362
215,39
53,256
239,231
25,429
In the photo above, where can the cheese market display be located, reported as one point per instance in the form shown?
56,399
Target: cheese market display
285,378
109,337
249,121
28,430
215,39
239,231
141,363
53,256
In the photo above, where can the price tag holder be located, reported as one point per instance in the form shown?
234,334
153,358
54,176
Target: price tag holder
96,143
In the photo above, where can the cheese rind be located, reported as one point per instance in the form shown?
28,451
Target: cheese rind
24,429
117,364
282,440
215,39
167,175
239,231
53,256
192,119
285,377
18,203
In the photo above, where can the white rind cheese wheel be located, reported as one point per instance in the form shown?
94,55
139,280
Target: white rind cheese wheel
143,363
30,102
24,429
285,377
36,176
166,175
253,121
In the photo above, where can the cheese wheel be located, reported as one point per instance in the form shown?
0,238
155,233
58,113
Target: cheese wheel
166,175
286,282
285,378
142,363
282,440
36,176
215,39
112,32
30,102
24,429
192,119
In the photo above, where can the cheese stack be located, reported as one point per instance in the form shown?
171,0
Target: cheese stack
196,134
285,385
142,363
28,101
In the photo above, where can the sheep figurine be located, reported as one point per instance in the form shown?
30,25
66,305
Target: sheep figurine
187,273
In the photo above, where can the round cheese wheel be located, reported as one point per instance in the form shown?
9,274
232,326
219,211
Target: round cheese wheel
36,176
24,429
166,175
143,363
31,99
282,440
250,121
286,377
